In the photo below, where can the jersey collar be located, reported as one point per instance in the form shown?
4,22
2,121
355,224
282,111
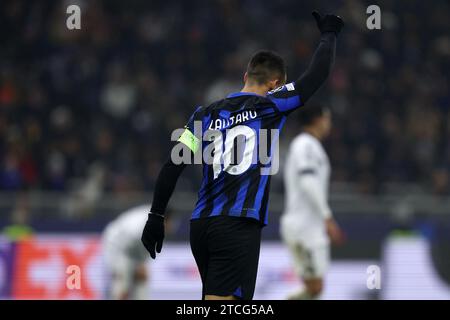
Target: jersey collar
239,94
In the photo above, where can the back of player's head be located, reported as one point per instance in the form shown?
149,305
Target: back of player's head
265,66
311,112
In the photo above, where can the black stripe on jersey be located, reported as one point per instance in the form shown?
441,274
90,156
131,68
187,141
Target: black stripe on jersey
231,187
252,189
235,104
209,205
249,203
267,124
232,183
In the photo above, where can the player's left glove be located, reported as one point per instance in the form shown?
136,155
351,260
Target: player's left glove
328,22
153,234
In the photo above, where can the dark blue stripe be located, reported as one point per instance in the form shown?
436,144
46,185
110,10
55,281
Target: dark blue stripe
286,104
240,94
259,195
241,196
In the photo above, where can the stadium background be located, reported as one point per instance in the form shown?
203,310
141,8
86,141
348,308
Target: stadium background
86,116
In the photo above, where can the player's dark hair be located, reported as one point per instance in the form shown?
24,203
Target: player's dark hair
265,66
309,113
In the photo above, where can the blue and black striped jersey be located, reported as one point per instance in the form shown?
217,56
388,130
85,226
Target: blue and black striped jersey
235,182
232,187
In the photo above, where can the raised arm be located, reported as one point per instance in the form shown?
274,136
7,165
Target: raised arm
296,94
323,59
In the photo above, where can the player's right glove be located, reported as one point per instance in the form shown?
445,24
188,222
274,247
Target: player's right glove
153,234
328,22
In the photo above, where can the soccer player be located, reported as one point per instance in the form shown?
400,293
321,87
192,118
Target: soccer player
233,199
125,256
307,223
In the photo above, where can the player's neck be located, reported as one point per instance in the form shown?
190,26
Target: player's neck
314,132
259,90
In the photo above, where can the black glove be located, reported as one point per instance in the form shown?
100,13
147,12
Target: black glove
153,234
328,22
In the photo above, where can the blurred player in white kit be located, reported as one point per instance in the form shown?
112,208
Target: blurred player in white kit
307,224
125,255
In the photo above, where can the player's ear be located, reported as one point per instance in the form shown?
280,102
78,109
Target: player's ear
245,77
282,80
273,84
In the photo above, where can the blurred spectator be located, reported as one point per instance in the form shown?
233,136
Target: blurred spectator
19,228
112,92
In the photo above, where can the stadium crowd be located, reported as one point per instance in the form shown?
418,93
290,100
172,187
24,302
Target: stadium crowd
100,103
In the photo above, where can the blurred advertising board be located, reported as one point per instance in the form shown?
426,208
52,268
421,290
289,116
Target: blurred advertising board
6,263
38,269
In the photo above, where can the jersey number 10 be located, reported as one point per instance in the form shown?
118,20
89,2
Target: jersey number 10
223,151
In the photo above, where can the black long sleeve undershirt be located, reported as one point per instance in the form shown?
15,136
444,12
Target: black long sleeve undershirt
319,68
165,184
308,83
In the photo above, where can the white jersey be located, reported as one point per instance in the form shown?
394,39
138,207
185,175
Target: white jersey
306,177
124,233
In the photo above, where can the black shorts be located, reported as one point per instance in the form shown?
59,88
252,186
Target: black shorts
226,250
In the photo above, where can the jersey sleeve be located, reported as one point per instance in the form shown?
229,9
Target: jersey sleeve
286,98
311,188
308,166
189,137
308,159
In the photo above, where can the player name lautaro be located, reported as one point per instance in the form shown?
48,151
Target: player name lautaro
220,123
